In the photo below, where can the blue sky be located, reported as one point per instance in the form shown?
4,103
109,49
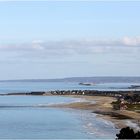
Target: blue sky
66,39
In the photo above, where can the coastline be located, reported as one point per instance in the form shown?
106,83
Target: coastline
97,102
101,105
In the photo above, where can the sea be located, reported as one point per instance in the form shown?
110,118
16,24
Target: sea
30,117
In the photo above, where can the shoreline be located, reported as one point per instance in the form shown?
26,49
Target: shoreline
101,105
98,102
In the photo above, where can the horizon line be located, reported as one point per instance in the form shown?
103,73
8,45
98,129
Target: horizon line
62,78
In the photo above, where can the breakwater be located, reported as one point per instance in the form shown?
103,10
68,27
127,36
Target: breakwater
77,92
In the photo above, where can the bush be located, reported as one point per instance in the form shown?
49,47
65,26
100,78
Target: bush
128,133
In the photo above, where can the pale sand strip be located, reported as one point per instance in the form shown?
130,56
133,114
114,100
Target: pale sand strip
102,106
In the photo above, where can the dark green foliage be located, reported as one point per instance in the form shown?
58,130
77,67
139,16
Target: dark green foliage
128,133
116,105
131,98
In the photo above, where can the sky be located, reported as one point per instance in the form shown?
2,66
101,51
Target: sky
57,39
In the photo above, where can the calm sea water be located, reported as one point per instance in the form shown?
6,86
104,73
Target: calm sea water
29,117
24,117
7,87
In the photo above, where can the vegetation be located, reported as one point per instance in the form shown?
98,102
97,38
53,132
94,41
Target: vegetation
132,98
128,133
133,107
130,101
116,105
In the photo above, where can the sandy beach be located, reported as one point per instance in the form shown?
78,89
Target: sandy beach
102,106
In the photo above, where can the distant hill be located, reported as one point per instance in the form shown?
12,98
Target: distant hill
82,79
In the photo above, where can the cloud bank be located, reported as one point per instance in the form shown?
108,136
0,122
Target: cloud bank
75,46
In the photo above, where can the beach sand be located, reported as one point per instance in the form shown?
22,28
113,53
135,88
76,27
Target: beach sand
102,106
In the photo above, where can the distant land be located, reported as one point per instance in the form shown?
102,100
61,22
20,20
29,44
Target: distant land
83,79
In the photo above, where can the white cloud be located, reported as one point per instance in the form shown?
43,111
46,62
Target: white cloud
37,45
131,41
68,47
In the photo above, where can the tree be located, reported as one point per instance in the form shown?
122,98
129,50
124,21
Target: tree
128,133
